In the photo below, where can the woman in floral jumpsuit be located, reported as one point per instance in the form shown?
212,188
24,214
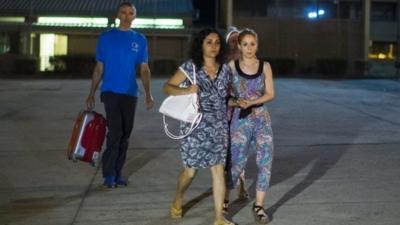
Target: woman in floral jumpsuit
250,129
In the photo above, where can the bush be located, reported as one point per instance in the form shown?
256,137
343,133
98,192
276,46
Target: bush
18,64
26,66
361,68
164,66
331,66
282,66
74,64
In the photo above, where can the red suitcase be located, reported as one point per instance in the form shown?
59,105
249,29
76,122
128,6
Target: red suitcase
87,137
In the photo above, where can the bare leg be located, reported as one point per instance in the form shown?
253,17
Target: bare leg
226,201
218,183
184,180
227,192
260,198
242,188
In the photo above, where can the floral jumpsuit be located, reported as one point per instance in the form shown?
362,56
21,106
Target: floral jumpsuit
251,130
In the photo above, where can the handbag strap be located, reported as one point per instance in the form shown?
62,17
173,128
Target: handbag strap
194,81
195,122
193,126
194,74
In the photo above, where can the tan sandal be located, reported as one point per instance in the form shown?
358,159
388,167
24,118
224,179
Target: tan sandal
243,195
176,213
225,222
225,207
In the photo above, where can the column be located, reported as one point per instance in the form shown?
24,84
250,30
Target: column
367,25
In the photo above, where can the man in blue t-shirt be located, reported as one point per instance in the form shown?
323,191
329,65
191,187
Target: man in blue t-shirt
119,52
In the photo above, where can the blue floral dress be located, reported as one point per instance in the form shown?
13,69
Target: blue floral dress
207,145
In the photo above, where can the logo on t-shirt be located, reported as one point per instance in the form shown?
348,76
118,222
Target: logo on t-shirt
135,46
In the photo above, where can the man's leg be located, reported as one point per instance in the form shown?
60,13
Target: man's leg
114,121
128,107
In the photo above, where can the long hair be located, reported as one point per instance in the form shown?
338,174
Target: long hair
196,48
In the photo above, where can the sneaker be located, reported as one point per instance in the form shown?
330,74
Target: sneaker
109,182
120,181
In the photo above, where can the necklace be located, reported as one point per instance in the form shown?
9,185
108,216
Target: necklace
249,64
249,68
211,71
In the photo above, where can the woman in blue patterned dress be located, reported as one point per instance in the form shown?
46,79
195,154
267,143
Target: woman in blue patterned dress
206,146
250,128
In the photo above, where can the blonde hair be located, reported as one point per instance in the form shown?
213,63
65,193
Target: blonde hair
247,31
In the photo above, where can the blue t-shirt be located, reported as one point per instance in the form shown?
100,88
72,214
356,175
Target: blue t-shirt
121,52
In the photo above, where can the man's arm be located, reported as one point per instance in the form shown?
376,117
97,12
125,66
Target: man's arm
96,78
145,76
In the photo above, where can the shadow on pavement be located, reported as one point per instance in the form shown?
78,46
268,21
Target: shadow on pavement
286,166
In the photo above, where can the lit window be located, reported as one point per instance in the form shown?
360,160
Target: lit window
382,50
51,45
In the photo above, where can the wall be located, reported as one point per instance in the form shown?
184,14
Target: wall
305,40
384,31
82,44
165,52
167,47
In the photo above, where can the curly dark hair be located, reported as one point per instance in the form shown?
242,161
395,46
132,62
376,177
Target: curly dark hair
196,48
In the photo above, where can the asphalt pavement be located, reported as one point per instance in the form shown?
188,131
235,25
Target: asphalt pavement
337,159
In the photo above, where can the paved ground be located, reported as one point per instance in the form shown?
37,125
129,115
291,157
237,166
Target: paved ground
337,159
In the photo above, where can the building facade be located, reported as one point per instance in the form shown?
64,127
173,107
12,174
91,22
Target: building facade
54,30
362,35
358,32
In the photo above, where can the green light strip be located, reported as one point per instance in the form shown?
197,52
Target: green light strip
72,21
12,19
164,23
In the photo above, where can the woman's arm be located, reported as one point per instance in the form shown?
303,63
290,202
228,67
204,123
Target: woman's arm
171,87
232,101
269,92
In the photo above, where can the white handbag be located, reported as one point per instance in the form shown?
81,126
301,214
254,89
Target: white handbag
182,107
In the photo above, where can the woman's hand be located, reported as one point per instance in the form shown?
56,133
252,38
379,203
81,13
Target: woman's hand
194,88
244,104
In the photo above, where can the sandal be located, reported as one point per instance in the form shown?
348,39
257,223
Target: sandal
176,213
225,207
260,215
243,195
225,222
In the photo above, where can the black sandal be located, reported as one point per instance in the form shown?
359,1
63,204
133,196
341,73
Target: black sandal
225,207
260,215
